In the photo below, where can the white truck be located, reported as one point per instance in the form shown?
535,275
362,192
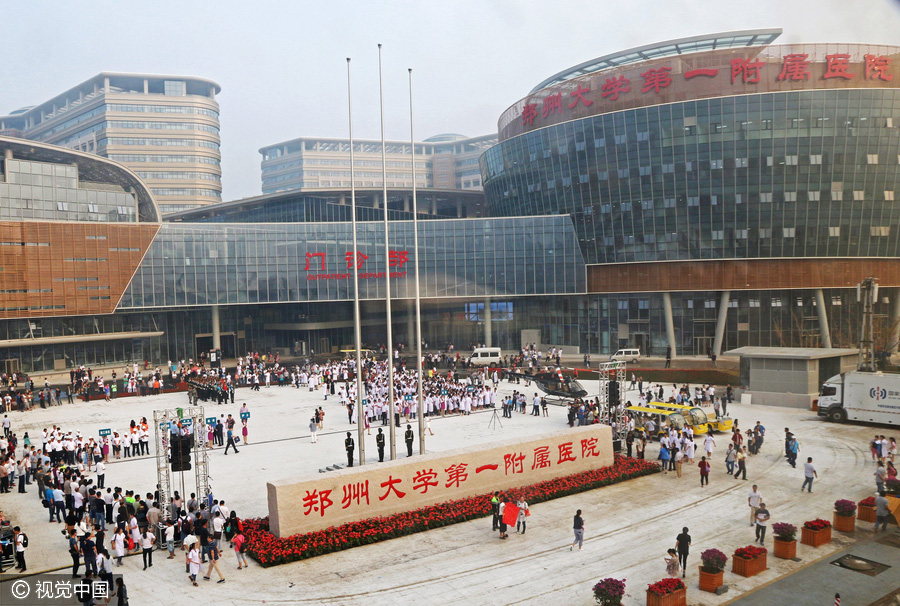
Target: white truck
872,397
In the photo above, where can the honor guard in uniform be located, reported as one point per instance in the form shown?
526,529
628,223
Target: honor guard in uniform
379,441
349,445
408,436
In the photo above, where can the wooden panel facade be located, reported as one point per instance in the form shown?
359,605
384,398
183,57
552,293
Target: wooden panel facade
68,269
740,274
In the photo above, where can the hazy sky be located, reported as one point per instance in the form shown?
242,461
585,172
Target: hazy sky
282,65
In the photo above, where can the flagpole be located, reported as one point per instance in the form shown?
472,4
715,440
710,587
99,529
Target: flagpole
357,332
420,409
387,262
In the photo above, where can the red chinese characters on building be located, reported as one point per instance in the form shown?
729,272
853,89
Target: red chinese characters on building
613,87
311,256
795,67
355,492
398,258
552,103
877,68
589,448
360,259
456,475
746,69
836,67
579,97
541,457
316,501
512,463
695,73
656,79
390,485
565,453
529,113
425,479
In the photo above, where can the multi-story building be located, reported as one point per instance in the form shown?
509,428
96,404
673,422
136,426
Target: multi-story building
165,128
445,161
725,191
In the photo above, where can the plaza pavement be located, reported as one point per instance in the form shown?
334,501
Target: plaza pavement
629,526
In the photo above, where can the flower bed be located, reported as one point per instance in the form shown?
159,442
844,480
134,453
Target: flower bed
866,511
269,550
749,560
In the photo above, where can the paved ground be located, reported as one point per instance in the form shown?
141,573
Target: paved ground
629,526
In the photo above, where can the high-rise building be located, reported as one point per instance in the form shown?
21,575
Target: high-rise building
165,128
447,161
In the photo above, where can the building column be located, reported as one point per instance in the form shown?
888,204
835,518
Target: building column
487,323
216,332
824,332
406,201
7,153
895,321
720,322
433,205
670,323
459,209
411,327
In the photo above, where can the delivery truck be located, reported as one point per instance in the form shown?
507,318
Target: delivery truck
873,397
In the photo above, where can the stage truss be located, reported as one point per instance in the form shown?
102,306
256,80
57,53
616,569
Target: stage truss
162,421
612,415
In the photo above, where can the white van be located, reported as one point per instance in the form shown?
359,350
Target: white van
486,356
626,355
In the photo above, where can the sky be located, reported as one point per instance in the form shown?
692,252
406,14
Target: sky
283,71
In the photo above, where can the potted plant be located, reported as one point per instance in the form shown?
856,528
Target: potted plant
712,569
816,532
866,511
749,560
892,486
844,515
785,540
609,592
667,592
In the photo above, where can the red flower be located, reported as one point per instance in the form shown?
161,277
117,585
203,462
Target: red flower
817,524
750,552
665,586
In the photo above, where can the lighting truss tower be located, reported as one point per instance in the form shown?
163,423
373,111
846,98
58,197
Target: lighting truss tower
867,294
162,420
613,416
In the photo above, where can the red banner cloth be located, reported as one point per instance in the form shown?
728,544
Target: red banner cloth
510,514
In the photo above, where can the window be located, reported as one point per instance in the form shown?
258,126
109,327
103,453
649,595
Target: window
776,302
690,304
732,303
836,300
837,194
765,197
788,232
718,234
815,159
765,232
603,175
741,234
643,304
814,196
858,195
741,163
601,142
649,238
834,232
668,168
668,202
790,196
715,164
643,136
620,139
888,195
754,302
880,230
644,171
872,158
770,161
622,173
626,206
738,198
62,206
174,88
606,208
693,201
623,305
92,208
767,125
689,166
714,200
790,160
795,122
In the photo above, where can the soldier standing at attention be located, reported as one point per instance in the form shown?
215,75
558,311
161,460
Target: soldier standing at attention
379,442
408,436
349,445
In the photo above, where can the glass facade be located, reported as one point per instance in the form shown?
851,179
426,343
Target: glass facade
42,190
202,264
799,174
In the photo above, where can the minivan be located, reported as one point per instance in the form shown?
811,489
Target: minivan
486,356
626,355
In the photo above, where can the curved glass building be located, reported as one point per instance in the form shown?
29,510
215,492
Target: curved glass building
725,191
